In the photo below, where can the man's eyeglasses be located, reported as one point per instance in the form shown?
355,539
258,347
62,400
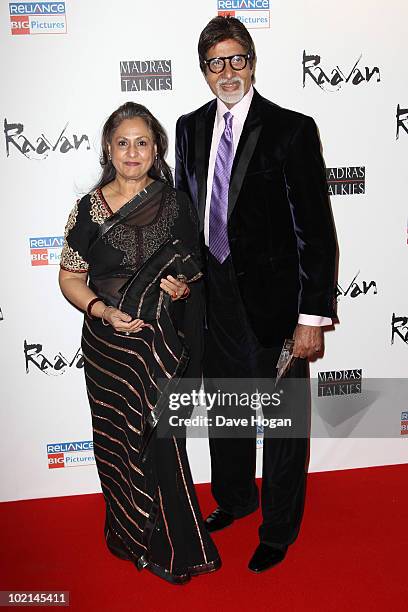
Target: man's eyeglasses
237,62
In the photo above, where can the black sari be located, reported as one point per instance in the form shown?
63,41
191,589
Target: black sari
152,514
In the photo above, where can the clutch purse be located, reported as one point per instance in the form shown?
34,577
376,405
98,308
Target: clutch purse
141,294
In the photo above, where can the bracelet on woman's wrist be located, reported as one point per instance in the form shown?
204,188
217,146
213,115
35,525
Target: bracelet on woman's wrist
103,315
89,307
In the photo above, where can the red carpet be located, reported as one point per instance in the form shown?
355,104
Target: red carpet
351,554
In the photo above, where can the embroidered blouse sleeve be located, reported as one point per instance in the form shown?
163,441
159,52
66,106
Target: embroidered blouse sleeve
77,238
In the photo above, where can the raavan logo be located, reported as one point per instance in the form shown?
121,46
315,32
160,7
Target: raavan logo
55,366
332,80
42,146
399,328
354,289
402,120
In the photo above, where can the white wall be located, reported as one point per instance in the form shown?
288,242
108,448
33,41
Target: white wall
50,80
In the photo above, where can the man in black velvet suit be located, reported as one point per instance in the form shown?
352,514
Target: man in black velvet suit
256,174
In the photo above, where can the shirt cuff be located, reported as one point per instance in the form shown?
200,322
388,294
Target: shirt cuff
314,320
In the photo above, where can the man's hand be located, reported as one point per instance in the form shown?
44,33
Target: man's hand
309,342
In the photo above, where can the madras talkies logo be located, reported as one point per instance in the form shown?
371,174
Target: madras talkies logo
46,250
40,147
252,13
146,75
53,366
334,79
37,18
404,424
399,328
402,120
339,382
70,454
347,180
356,288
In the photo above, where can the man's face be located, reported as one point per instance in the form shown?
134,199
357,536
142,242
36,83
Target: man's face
229,85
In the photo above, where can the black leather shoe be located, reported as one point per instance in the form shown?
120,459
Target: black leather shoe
219,519
266,557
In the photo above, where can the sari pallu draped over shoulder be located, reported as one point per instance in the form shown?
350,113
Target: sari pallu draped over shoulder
152,514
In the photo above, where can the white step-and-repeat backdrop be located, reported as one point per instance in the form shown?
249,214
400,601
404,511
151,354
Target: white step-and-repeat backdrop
65,67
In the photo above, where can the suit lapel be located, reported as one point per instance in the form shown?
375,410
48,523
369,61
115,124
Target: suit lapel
203,138
246,146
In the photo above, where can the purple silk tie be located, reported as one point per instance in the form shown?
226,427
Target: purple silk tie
219,246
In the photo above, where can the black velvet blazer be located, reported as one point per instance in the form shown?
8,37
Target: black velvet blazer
280,226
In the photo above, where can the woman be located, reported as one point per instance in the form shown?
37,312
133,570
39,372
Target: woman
152,514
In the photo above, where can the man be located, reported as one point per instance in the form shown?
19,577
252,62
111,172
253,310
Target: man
257,176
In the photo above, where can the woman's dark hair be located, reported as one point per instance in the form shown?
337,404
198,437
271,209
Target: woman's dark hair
223,28
130,110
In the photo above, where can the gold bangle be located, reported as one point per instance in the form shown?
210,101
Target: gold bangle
102,316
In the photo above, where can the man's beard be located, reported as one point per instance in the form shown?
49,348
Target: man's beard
232,97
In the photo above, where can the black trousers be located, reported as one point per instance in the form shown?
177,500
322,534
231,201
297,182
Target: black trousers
233,352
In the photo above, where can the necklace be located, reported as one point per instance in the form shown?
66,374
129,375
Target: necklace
126,196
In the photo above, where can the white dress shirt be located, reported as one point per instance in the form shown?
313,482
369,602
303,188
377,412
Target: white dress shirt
239,112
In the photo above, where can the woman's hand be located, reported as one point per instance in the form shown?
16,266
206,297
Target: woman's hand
75,289
176,288
120,321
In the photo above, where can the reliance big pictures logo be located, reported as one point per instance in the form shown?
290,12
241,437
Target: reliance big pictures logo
259,436
70,454
252,13
46,250
37,18
404,424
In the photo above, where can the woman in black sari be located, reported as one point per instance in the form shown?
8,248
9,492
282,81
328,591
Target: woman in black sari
113,233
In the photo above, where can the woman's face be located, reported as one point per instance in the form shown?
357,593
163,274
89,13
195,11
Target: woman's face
132,149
